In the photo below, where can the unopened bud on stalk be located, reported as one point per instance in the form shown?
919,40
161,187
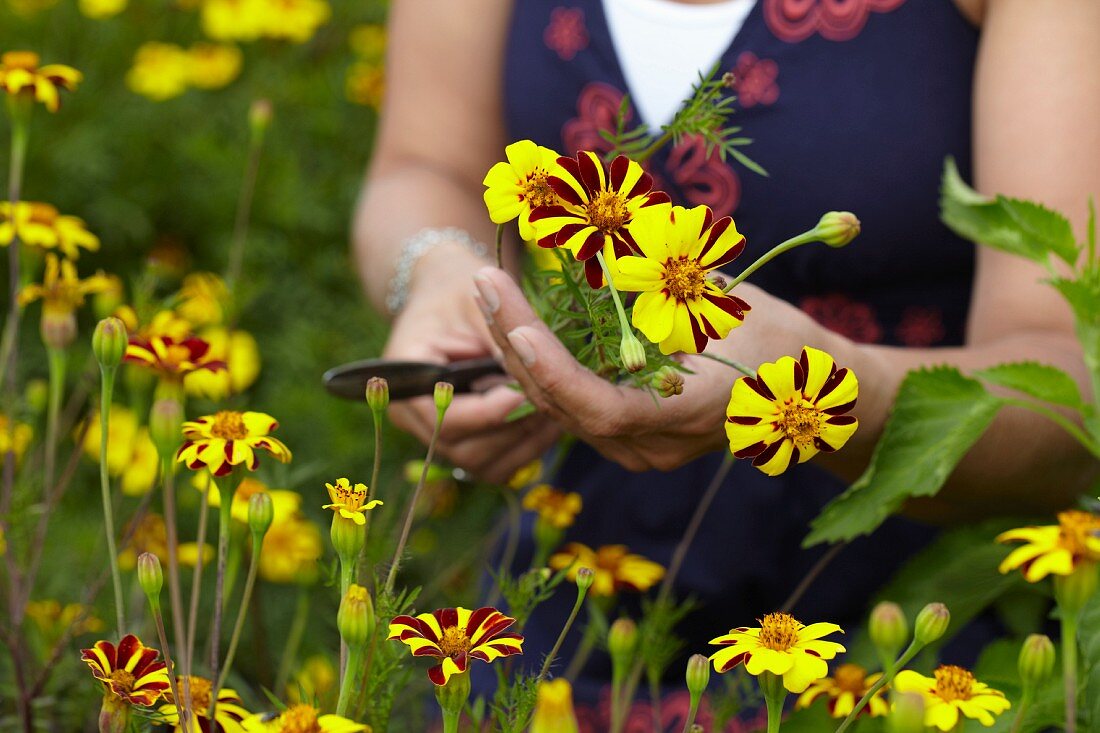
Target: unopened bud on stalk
889,630
668,382
907,715
166,426
452,696
697,675
444,395
150,576
259,117
109,342
838,228
58,329
378,394
632,353
931,623
585,578
1036,662
622,639
355,619
261,512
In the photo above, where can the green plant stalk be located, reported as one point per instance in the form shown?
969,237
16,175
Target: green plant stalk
225,513
293,639
886,678
196,580
581,655
511,543
1021,711
693,710
1061,421
653,147
619,701
168,487
372,487
347,576
107,386
238,625
581,593
1069,668
20,133
181,710
735,365
244,212
796,241
500,246
774,695
450,721
57,364
655,697
355,661
624,322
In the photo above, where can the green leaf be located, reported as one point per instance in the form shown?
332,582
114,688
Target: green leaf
938,415
1040,381
1083,296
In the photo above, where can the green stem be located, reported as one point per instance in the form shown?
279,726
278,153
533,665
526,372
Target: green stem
693,710
1061,421
500,246
20,132
347,575
53,412
158,619
249,585
1021,711
624,323
168,487
226,492
107,386
886,678
653,147
774,695
735,365
293,640
196,578
244,213
584,651
1069,668
803,238
581,593
511,543
396,564
655,699
450,721
355,661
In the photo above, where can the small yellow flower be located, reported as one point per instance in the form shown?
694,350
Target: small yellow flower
1054,550
41,225
455,636
130,451
151,535
228,711
233,20
239,352
14,438
129,672
953,691
316,681
101,9
554,708
61,291
20,74
368,40
172,359
294,20
516,187
302,718
285,504
556,508
349,501
791,410
526,475
615,568
212,66
782,646
53,619
226,439
164,323
290,551
365,84
848,685
202,298
160,71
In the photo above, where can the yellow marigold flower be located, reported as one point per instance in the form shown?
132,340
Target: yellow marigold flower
53,619
29,8
233,20
163,323
20,74
791,410
130,451
554,708
556,508
294,20
61,291
516,187
172,360
679,307
1057,549
365,84
526,475
285,504
951,692
782,646
203,296
239,352
316,681
41,225
228,711
129,672
101,9
228,438
349,501
160,71
302,718
368,40
847,686
290,551
151,535
615,568
14,438
595,210
212,65
457,635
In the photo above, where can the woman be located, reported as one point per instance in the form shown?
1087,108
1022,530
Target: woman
851,105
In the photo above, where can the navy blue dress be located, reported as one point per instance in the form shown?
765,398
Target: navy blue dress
852,104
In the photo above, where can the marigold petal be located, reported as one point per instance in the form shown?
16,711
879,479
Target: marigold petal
805,668
769,660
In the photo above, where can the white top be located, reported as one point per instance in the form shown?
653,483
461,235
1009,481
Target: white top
663,46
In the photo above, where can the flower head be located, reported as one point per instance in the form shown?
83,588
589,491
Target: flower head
233,20
290,551
212,66
129,671
228,438
350,501
294,20
849,683
595,210
15,436
615,568
53,619
228,711
101,9
680,308
130,451
521,184
61,291
457,635
41,225
301,718
556,508
783,646
285,503
791,410
1054,550
21,74
172,360
160,71
150,534
554,708
239,352
951,692
365,84
203,297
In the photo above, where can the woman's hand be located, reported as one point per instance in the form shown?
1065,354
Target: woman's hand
440,323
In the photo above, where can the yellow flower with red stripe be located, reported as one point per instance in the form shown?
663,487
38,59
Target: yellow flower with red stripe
41,225
226,439
457,635
596,208
302,718
848,685
21,74
350,500
513,189
228,713
679,307
170,358
782,646
614,568
791,410
129,671
953,692
1056,549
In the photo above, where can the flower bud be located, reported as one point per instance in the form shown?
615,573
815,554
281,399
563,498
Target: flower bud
668,382
1073,591
259,118
696,728
37,394
150,576
355,619
109,342
347,537
632,353
58,330
554,708
452,696
931,623
889,630
378,394
107,301
838,228
697,675
1036,662
114,714
622,638
261,512
436,473
166,426
444,395
908,714
585,578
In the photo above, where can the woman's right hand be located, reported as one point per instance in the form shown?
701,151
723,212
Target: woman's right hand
441,323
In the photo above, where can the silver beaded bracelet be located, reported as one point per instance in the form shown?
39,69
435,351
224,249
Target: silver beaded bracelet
416,247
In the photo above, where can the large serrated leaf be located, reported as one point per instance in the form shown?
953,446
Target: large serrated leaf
1083,296
1044,226
1040,381
938,415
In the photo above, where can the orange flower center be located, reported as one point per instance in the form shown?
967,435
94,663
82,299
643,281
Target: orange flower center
42,213
850,678
607,212
348,496
1077,536
684,279
300,719
26,60
122,682
454,641
200,693
537,191
779,631
800,422
229,425
953,683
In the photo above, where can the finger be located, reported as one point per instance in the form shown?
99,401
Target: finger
496,456
415,416
474,414
521,454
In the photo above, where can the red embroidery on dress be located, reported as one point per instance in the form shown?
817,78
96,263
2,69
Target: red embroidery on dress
597,107
754,80
920,326
566,34
835,20
842,315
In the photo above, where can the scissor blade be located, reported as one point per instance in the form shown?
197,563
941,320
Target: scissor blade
406,378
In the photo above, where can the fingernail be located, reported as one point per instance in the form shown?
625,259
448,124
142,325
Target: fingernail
484,308
522,347
488,292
